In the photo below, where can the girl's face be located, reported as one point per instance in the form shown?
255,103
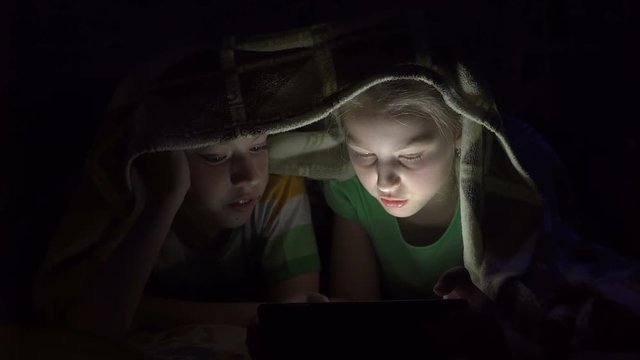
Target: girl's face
402,161
227,179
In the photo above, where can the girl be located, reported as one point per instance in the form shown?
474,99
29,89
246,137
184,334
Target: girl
397,225
398,229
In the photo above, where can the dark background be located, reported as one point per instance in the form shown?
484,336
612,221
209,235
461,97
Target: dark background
565,66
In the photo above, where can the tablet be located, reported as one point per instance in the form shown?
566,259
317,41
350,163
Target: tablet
342,313
360,329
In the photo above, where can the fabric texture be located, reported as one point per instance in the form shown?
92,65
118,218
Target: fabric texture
200,341
408,271
276,244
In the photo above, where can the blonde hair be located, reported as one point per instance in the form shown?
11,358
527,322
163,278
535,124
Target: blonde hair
405,98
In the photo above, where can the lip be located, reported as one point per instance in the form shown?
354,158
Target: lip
393,203
247,204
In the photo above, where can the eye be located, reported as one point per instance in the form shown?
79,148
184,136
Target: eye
259,148
364,159
214,159
364,156
412,157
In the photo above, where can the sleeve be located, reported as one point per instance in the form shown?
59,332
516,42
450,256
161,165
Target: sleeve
291,247
337,196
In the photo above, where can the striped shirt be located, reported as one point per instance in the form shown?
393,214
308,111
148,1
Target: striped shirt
277,243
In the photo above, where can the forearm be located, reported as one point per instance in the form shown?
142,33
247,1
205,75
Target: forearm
163,313
354,273
109,302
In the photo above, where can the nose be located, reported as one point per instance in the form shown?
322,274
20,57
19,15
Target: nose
244,171
388,178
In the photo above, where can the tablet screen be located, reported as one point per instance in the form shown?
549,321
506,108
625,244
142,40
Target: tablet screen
326,330
343,311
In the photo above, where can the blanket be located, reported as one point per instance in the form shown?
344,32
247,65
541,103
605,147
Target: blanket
287,85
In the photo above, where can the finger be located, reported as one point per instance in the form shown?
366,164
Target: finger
453,295
463,292
298,298
452,279
338,300
314,297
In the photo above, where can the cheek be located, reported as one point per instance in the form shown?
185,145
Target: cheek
207,183
261,164
423,180
431,177
367,175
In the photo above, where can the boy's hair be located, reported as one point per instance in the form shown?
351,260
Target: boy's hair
405,97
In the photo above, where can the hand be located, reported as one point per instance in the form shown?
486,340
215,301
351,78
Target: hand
309,297
165,175
456,283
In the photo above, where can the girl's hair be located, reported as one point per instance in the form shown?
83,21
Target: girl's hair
401,98
405,97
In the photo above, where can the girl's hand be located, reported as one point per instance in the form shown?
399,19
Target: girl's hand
165,175
456,283
481,328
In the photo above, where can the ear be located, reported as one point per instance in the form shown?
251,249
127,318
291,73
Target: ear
458,139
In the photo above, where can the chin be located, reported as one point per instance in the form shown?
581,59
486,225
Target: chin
231,221
400,213
234,222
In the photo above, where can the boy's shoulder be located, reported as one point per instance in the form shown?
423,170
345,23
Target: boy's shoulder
282,187
284,196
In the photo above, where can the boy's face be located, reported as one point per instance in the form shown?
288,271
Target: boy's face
402,161
228,178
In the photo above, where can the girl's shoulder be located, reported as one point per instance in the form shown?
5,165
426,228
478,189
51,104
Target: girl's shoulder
345,188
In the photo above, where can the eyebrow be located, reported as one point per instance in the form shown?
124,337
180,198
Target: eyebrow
254,138
416,140
208,149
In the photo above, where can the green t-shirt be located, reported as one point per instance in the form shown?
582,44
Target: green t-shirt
408,271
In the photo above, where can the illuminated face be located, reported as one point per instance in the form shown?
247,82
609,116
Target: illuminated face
402,161
227,179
